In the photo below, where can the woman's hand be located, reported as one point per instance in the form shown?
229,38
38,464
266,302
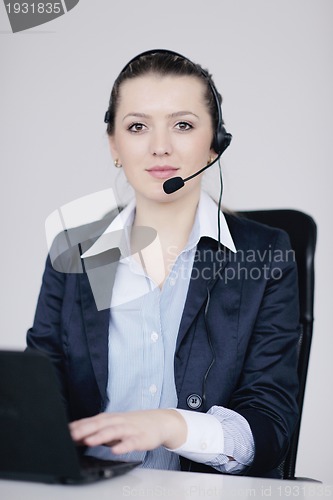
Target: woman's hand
131,431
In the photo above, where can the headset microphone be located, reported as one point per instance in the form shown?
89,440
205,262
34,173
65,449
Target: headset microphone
172,185
221,138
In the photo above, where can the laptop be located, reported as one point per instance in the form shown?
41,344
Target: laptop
35,442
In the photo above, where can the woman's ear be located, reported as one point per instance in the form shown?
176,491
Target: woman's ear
213,155
113,148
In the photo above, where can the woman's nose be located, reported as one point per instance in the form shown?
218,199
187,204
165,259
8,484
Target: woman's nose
161,143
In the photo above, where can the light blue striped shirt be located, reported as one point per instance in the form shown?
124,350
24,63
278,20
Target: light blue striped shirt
144,323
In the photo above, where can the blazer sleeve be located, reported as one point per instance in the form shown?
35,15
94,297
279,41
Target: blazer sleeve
46,333
266,393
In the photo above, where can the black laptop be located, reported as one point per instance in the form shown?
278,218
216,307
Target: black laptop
35,443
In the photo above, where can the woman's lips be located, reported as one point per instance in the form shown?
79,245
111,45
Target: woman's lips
162,172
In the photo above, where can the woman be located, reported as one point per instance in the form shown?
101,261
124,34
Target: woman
173,331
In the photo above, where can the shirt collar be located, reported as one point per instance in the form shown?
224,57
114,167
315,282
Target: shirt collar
207,216
205,225
114,236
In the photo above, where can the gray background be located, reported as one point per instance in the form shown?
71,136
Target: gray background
272,60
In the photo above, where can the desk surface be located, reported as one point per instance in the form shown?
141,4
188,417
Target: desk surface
170,485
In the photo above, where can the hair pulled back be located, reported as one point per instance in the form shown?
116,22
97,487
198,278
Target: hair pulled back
162,63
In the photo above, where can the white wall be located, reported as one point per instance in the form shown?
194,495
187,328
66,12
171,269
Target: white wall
272,61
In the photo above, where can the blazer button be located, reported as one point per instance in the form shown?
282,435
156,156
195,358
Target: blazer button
194,401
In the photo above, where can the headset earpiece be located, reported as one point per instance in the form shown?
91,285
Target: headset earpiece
221,139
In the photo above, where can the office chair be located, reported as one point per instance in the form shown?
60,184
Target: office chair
302,232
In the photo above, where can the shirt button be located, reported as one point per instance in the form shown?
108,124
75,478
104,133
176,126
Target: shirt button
172,282
203,446
153,389
154,337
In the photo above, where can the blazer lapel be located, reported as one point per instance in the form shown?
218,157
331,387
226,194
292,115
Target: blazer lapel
206,268
96,291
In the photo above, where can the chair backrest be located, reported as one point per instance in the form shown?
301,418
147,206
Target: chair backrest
302,232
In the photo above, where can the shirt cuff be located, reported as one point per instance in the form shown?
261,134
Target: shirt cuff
238,439
205,437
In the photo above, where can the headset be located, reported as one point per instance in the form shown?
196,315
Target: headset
221,138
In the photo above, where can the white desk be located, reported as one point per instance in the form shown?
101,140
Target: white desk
169,485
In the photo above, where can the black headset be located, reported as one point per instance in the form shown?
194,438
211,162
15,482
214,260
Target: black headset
221,141
222,138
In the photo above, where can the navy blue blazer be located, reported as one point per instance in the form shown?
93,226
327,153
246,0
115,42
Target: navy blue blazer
251,327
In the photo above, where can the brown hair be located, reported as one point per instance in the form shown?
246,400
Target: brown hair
162,63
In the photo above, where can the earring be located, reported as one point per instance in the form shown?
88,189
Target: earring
117,164
210,159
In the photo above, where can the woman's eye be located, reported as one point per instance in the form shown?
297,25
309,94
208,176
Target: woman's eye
183,126
136,127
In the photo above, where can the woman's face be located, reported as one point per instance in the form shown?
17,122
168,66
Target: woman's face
162,129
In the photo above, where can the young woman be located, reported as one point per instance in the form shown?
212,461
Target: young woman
173,329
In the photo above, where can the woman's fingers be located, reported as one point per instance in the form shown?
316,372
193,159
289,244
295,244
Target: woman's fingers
101,429
124,432
81,429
